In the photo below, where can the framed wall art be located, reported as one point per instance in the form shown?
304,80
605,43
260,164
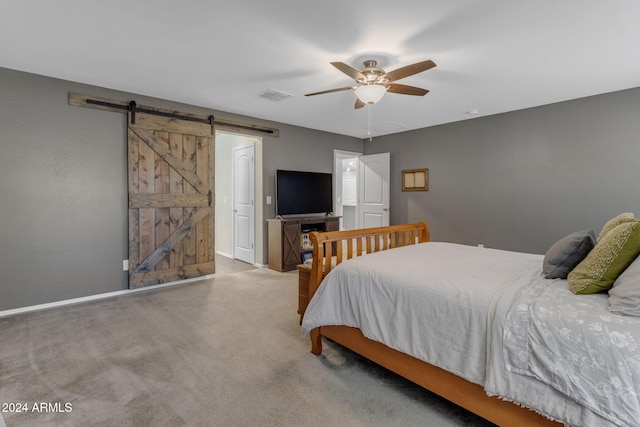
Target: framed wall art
415,180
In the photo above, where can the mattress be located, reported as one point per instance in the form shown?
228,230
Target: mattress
429,300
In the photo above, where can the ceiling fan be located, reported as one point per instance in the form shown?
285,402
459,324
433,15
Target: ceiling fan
374,82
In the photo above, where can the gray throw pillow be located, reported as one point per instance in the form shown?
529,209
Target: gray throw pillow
624,296
567,253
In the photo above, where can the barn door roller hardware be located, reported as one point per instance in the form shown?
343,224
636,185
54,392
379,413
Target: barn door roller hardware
132,107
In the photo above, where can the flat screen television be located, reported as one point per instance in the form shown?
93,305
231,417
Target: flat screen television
299,193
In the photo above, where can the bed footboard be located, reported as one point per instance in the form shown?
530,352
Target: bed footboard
332,247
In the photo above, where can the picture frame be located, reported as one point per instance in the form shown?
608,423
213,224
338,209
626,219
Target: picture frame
415,179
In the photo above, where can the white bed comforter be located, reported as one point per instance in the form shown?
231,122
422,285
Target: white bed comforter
437,309
576,346
490,317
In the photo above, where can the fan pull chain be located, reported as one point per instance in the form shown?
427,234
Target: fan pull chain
369,122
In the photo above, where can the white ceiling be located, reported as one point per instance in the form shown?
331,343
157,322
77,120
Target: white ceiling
492,55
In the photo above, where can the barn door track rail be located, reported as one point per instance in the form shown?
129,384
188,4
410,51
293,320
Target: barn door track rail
80,100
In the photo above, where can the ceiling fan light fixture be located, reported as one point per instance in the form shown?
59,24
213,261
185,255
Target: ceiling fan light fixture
370,94
373,82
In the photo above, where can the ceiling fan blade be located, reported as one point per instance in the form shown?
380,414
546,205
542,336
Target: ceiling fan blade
340,89
409,70
359,104
348,70
406,90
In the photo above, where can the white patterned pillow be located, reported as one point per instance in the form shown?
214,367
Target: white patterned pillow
624,296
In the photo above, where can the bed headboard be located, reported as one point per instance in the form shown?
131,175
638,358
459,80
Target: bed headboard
332,247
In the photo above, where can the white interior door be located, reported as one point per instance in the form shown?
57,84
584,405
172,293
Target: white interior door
373,190
243,203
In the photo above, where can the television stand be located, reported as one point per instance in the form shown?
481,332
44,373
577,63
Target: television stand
287,234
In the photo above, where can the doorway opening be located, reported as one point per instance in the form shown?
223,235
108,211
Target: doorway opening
361,188
345,172
238,192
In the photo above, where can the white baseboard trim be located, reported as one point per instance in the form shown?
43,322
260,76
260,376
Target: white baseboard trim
71,301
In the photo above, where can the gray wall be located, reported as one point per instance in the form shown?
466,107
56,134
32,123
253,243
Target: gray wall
521,180
516,181
63,189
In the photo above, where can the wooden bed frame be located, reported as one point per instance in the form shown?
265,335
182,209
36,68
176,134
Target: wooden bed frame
329,250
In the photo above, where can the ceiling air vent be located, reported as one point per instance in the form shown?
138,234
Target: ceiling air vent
274,95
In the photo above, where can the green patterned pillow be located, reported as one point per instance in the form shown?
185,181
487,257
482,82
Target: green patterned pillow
610,257
614,222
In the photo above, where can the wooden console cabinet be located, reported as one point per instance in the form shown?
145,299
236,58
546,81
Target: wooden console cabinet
285,236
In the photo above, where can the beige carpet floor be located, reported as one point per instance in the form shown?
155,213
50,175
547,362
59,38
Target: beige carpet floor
221,352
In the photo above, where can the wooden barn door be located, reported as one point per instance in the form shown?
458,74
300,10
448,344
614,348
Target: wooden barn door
171,212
